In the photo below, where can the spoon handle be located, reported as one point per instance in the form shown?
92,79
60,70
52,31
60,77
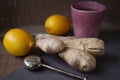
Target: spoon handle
65,72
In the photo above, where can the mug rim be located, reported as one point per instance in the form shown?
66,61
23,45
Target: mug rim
101,9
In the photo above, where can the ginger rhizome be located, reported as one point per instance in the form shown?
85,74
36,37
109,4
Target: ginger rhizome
79,59
50,45
80,53
94,46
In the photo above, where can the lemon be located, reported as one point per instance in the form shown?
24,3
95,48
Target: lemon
18,42
57,24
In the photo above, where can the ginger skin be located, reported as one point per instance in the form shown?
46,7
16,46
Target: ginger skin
94,46
79,59
50,45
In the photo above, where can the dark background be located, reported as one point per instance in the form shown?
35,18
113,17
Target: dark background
34,12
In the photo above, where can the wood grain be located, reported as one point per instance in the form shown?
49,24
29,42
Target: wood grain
8,63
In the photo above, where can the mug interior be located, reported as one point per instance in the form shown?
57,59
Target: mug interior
88,6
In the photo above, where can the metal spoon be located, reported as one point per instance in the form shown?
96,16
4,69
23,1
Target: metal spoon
34,62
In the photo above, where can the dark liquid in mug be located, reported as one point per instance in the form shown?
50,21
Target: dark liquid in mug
86,9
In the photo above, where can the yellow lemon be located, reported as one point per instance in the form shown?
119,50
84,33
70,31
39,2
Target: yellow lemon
18,42
57,25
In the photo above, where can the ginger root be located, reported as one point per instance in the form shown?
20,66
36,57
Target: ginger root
94,46
50,45
80,53
78,59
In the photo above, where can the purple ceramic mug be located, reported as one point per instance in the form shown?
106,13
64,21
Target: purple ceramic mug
87,17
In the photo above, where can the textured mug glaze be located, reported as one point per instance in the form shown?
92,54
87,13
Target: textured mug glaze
87,17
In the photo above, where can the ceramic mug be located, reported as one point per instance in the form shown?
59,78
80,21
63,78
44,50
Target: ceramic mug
87,17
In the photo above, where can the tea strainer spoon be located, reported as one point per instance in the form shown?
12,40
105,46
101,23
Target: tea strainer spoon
34,62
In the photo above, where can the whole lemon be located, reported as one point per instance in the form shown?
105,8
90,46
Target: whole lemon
18,42
57,24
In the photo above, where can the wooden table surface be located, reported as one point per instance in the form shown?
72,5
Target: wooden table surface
8,63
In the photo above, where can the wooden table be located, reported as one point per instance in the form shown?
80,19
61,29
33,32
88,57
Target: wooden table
8,63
